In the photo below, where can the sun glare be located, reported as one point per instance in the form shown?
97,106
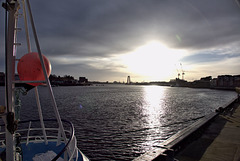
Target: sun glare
154,61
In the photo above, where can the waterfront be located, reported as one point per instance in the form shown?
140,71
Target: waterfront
118,122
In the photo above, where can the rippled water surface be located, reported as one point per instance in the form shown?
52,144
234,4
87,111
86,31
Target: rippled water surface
120,122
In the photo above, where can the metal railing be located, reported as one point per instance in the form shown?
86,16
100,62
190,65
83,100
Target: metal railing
29,132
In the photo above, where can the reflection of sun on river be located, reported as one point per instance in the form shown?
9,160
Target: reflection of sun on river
153,109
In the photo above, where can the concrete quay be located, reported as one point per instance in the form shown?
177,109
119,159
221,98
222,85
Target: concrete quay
226,146
220,142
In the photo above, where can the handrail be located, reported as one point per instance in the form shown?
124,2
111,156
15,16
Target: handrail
71,132
70,140
74,148
29,81
71,135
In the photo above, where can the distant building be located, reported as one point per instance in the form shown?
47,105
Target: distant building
236,81
228,81
128,80
180,83
213,82
83,80
208,78
56,80
204,82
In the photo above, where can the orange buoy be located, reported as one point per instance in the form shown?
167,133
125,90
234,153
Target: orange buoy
30,69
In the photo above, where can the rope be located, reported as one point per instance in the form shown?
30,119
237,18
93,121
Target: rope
18,104
183,121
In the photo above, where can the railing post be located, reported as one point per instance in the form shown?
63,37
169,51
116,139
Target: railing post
41,116
59,137
29,129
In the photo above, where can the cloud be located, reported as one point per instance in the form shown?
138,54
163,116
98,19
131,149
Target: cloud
85,33
93,73
211,56
123,25
227,66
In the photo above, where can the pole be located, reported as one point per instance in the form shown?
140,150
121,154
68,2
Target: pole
10,74
36,89
45,73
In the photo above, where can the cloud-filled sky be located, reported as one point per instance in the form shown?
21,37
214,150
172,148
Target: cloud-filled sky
108,40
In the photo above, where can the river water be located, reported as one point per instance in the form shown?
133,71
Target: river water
121,122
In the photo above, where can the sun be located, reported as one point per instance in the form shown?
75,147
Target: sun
153,61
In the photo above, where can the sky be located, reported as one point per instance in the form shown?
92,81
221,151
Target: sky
148,40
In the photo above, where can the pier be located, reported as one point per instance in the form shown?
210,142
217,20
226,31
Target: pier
214,137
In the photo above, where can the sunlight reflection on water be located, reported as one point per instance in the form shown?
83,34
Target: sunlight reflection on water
153,104
119,122
153,109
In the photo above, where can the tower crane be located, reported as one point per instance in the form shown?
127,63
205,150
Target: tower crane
177,72
182,72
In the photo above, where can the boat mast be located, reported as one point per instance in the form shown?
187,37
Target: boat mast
12,7
61,128
36,89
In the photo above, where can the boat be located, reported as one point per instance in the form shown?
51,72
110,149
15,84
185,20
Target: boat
40,139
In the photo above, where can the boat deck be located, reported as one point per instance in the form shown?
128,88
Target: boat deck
33,149
37,149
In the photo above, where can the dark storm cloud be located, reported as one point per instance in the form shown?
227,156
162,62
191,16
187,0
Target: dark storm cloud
116,26
96,29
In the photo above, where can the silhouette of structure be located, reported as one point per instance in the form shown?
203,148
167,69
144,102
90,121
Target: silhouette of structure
128,80
182,72
177,72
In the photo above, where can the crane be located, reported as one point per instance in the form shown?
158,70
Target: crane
182,72
177,72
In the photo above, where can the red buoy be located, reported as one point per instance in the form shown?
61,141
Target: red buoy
30,69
